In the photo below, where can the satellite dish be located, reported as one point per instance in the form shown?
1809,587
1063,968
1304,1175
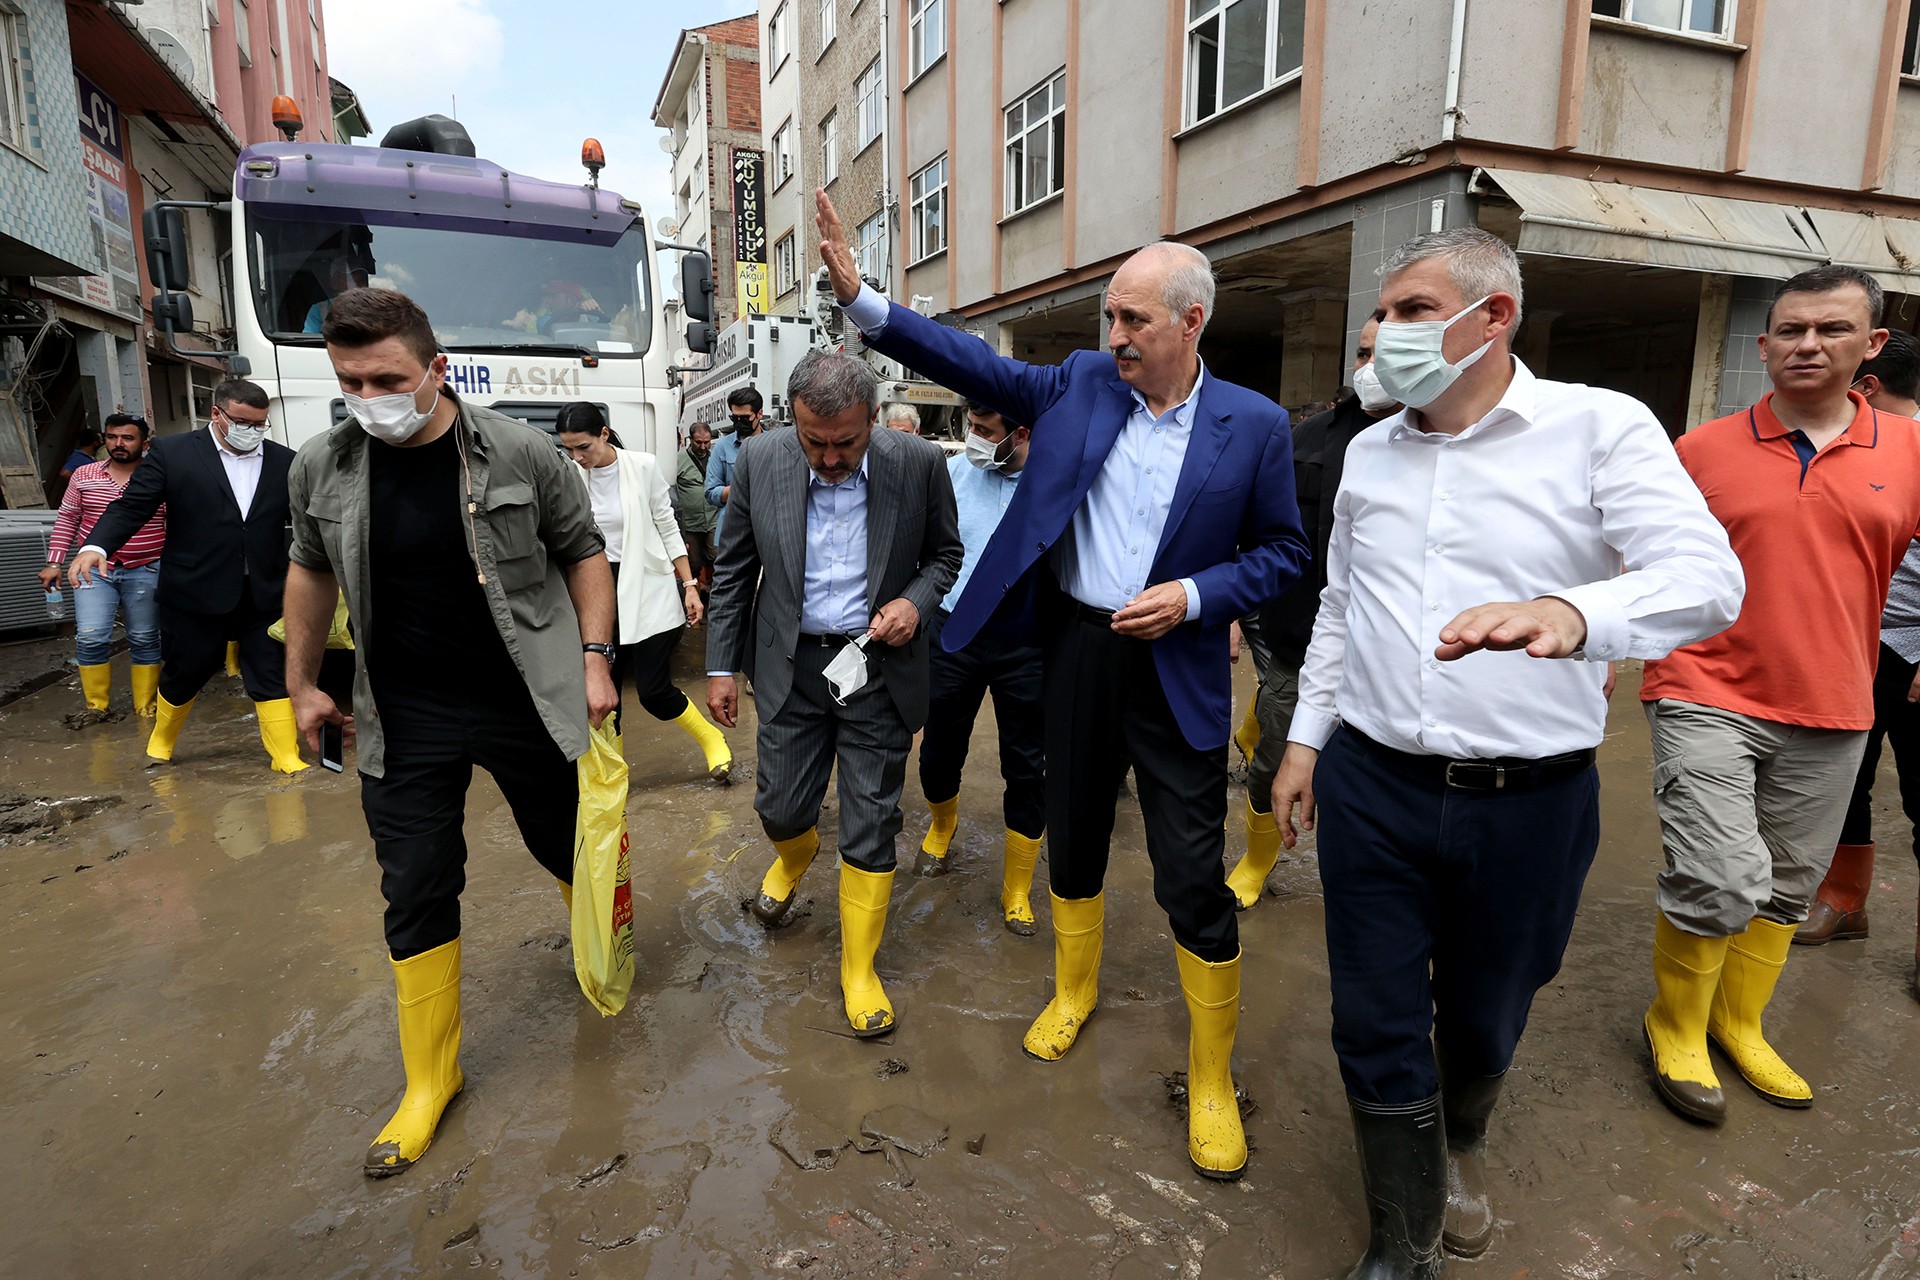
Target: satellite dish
172,52
666,143
667,228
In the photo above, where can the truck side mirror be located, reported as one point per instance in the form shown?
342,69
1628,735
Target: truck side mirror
701,336
173,311
166,235
696,288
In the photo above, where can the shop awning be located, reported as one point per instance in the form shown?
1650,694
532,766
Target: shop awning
1613,222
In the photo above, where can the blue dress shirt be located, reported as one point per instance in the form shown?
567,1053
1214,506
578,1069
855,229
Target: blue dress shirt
726,451
833,588
981,496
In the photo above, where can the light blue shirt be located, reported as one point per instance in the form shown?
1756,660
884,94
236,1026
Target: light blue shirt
726,451
833,589
982,497
1109,548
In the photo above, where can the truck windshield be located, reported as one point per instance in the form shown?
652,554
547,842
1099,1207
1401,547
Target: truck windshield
482,287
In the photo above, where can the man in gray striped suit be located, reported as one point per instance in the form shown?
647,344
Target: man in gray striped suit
836,536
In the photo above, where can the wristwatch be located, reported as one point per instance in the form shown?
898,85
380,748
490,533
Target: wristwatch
604,650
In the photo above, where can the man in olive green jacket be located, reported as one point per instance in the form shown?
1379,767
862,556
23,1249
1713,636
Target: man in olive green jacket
690,505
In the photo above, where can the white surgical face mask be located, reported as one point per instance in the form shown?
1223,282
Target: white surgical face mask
1408,362
847,673
1373,396
245,437
395,418
985,454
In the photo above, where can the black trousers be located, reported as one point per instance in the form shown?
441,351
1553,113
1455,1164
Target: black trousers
1446,911
193,649
416,813
1895,721
1105,711
959,683
650,662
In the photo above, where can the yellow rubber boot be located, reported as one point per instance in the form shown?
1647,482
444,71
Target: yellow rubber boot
566,896
1016,882
1216,1143
863,919
168,721
791,859
96,684
233,657
713,743
279,736
1754,961
1247,736
945,821
146,688
1686,972
1249,879
1079,926
429,988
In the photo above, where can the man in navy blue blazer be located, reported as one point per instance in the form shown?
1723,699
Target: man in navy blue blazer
1156,507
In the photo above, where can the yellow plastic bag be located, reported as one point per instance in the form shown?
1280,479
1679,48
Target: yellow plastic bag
602,873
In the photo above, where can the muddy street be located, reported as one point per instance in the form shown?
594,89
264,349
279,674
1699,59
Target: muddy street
199,1043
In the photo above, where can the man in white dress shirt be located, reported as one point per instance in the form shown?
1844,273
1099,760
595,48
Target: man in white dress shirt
1457,801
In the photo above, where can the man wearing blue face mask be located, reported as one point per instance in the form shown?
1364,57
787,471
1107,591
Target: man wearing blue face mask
1450,703
985,478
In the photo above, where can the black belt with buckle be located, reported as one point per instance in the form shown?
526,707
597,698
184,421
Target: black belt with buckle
1502,774
827,640
1087,613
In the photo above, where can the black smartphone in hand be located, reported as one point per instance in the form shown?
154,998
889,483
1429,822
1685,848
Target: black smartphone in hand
331,748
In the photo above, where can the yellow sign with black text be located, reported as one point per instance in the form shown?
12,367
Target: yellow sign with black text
750,287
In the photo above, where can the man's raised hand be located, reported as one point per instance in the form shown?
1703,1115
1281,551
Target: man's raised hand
843,271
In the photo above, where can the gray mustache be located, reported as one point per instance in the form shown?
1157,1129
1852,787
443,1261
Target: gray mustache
1127,353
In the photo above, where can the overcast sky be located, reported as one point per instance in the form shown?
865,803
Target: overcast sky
532,77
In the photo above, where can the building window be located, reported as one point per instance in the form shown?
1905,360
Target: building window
1699,17
1037,144
870,247
243,32
783,271
830,148
866,93
829,23
1236,48
1910,55
926,34
777,38
16,74
928,192
782,153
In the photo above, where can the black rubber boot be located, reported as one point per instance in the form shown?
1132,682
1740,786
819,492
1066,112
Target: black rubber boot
1403,1161
1467,1102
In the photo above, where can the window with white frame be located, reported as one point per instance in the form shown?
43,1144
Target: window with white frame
782,153
829,22
1237,48
870,247
927,200
869,106
926,34
830,148
777,38
14,75
1696,17
1037,144
783,265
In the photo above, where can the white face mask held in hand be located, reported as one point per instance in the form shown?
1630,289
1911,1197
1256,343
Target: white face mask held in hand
847,673
1373,396
396,418
1408,362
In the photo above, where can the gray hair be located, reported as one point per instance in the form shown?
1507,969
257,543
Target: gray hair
832,382
1189,280
1479,263
904,413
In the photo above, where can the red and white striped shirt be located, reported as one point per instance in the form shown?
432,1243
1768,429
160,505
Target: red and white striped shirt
88,493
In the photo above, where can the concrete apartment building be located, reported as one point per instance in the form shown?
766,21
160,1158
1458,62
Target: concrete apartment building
1660,164
709,103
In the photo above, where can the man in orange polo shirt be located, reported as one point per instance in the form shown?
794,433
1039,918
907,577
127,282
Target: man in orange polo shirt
1757,732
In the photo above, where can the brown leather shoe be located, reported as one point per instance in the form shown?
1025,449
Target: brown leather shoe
1827,923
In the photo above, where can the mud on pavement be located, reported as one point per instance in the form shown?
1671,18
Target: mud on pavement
199,1042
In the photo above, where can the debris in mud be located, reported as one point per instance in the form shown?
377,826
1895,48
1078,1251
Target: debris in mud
90,716
914,1132
890,1067
976,1145
42,815
806,1143
556,941
1176,1083
471,1233
1134,993
600,1174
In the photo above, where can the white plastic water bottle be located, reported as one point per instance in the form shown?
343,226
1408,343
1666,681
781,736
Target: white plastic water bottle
56,605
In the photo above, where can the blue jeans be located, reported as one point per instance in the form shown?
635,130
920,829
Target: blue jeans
128,594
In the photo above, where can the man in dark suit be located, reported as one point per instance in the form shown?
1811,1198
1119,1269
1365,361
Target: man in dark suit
1155,508
224,566
840,542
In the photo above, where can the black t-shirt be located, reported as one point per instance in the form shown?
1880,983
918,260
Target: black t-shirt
434,639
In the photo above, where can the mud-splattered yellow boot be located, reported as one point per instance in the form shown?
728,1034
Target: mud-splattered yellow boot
168,721
1216,1142
863,919
429,989
146,688
1016,882
713,743
279,736
1247,736
1686,971
1249,879
1754,961
791,859
933,849
1079,928
96,685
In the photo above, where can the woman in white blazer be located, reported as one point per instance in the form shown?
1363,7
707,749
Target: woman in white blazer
656,596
